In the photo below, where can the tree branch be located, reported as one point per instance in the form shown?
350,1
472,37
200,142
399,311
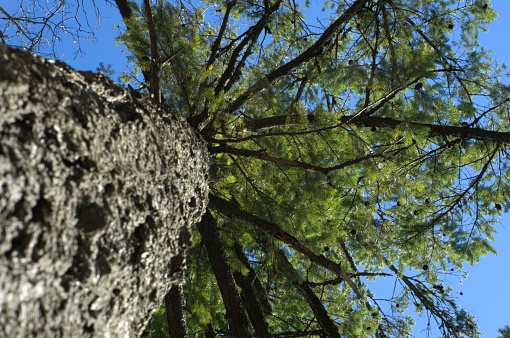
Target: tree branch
429,305
261,155
325,321
467,132
253,279
174,305
434,129
124,8
154,74
236,314
231,209
251,36
127,14
309,53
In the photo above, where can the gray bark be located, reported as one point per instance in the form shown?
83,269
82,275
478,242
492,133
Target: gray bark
98,189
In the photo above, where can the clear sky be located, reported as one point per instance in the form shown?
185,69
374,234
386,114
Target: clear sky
486,291
487,288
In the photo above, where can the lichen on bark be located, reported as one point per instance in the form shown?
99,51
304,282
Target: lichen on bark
98,190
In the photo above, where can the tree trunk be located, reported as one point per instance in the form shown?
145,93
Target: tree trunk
175,316
97,193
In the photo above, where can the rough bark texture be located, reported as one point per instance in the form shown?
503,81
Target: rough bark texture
97,193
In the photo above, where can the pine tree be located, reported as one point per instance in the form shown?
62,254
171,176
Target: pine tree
365,142
504,332
369,146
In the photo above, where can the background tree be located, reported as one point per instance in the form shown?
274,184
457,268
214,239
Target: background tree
363,143
504,332
43,26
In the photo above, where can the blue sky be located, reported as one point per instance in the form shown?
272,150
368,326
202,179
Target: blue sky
486,293
486,290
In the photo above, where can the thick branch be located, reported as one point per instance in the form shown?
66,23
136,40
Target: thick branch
254,295
385,122
249,298
261,155
234,67
127,14
325,321
174,305
250,38
231,209
253,279
314,333
195,121
236,314
154,78
312,51
434,129
124,8
275,122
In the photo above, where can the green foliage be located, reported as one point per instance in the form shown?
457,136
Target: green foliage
157,327
347,135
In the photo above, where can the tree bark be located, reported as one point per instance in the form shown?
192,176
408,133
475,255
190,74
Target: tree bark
97,193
